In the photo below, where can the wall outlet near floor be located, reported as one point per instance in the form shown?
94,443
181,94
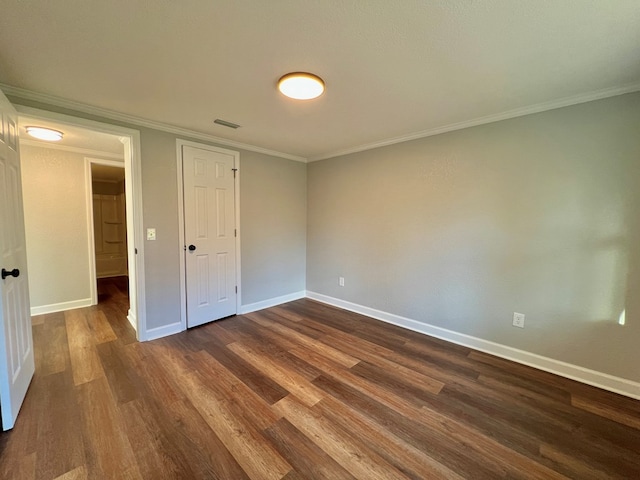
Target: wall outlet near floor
341,281
518,319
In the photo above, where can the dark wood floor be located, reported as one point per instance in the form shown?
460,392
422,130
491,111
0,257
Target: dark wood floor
300,391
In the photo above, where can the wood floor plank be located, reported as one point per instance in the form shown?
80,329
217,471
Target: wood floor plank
259,459
404,384
273,346
385,359
262,385
545,410
54,355
193,438
84,358
100,327
117,317
606,411
123,380
26,469
56,455
245,403
442,448
285,320
287,378
404,456
305,341
572,466
513,463
18,447
283,311
79,473
108,450
308,460
150,437
152,375
385,396
353,456
216,332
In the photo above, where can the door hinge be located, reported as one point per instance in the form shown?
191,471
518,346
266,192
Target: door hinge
236,289
235,232
234,172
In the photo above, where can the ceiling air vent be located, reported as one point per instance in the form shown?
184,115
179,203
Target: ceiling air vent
224,123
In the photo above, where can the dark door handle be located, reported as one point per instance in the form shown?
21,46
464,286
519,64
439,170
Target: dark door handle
192,248
10,273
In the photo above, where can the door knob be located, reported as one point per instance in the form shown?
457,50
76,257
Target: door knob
10,273
192,248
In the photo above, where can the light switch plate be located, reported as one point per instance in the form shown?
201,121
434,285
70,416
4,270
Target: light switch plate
151,233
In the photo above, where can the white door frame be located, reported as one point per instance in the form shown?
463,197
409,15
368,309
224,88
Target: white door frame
183,279
133,194
88,178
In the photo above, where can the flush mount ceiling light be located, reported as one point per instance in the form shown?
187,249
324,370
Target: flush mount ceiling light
301,85
47,134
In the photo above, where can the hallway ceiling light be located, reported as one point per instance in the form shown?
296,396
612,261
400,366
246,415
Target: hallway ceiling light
46,134
301,85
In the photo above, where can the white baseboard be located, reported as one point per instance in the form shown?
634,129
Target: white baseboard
132,319
60,307
574,372
271,302
160,332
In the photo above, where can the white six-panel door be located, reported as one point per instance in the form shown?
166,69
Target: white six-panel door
209,226
16,344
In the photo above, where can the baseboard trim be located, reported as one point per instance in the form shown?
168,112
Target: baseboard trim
160,332
60,307
574,372
271,302
132,320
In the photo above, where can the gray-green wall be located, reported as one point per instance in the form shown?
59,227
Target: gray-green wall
538,214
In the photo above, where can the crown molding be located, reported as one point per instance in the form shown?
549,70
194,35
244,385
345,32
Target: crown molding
67,148
138,121
519,112
141,122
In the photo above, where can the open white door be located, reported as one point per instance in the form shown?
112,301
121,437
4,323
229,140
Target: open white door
209,226
16,343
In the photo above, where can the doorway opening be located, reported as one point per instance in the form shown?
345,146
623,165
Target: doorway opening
107,194
128,258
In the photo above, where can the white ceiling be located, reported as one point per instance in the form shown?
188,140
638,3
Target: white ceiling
393,68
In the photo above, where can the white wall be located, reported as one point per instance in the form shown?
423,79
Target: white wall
539,215
54,189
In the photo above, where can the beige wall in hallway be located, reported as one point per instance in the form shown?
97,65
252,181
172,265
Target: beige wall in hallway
56,225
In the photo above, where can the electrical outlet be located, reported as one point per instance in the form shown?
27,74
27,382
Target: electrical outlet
341,281
518,319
